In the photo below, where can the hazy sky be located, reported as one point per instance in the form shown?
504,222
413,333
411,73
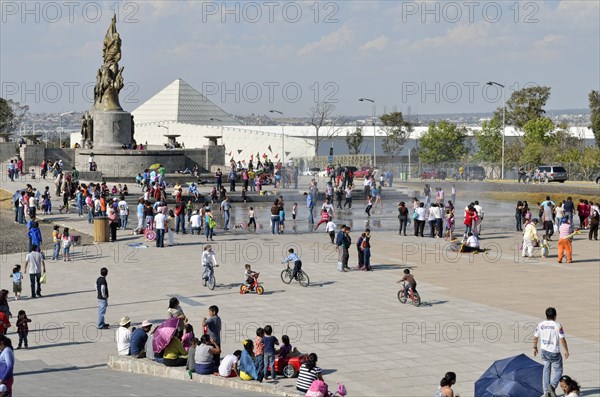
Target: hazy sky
250,57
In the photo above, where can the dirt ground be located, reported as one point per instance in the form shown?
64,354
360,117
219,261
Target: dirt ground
13,237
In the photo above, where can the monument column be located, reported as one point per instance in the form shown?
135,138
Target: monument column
111,126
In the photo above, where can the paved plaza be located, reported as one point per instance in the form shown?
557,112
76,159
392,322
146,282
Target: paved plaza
476,308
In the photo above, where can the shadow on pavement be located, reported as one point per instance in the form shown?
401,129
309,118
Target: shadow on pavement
322,284
432,303
53,345
68,293
49,370
392,267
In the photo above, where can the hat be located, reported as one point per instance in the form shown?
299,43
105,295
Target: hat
195,212
124,321
146,323
565,220
535,220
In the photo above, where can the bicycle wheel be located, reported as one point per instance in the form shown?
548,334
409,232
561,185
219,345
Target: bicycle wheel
303,279
416,299
260,289
243,289
211,282
401,296
286,276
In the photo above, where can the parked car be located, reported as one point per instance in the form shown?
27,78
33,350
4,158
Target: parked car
363,171
432,174
598,179
311,171
555,173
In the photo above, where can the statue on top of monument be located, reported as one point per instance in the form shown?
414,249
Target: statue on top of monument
109,78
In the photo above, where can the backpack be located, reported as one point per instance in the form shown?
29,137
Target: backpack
317,389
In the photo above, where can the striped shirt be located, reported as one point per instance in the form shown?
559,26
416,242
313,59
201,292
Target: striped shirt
306,377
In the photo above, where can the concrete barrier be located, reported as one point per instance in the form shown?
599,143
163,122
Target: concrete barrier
148,367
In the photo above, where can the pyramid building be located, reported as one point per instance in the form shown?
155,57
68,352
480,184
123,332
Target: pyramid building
181,103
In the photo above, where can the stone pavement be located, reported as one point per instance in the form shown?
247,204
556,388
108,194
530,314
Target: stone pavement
477,308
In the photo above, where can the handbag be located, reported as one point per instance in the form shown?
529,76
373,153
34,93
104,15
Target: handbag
415,215
43,278
212,223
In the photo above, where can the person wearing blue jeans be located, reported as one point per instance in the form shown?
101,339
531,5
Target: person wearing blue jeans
208,231
180,219
269,342
102,290
552,337
275,217
226,208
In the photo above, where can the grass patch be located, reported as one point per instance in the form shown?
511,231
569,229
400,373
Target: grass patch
6,200
533,197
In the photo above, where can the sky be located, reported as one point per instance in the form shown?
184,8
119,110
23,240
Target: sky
251,57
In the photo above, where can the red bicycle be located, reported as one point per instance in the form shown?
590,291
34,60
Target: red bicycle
255,286
412,295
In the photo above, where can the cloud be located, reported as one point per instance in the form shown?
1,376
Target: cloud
378,44
334,40
471,35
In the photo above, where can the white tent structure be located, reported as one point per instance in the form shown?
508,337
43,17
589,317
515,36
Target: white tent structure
179,109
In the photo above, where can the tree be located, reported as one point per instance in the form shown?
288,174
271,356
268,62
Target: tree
6,115
11,115
539,130
354,140
489,141
443,142
539,139
525,105
319,117
594,98
397,131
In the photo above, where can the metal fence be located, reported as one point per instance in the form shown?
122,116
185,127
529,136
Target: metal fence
402,168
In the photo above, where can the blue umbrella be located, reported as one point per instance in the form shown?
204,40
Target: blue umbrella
517,376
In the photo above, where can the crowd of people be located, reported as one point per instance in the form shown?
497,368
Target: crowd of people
201,354
255,358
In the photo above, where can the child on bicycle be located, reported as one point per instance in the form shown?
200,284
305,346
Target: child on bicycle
249,273
410,282
208,261
293,257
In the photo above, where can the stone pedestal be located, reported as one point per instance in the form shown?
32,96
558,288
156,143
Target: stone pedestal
215,155
126,164
32,155
112,129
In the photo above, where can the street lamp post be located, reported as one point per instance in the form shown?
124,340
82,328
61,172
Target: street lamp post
61,128
282,136
374,131
503,121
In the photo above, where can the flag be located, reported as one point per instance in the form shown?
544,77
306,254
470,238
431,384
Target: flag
229,154
240,151
257,155
270,150
277,156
